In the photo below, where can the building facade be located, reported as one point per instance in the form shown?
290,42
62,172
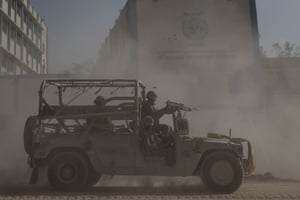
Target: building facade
200,45
179,32
23,39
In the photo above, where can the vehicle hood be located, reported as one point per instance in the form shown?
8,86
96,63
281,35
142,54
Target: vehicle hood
215,142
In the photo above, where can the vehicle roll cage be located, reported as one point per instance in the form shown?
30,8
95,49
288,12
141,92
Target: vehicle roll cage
137,98
89,83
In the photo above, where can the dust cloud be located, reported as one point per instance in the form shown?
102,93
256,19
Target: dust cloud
230,88
229,95
270,122
19,101
13,160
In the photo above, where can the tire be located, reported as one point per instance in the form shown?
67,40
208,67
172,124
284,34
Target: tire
222,172
30,125
93,178
68,171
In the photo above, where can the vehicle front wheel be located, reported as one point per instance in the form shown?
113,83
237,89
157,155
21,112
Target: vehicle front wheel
222,172
68,171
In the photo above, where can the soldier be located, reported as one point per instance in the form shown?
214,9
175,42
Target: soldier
99,123
152,140
99,101
148,109
153,143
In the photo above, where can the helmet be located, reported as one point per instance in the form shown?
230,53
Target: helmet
151,94
148,121
99,100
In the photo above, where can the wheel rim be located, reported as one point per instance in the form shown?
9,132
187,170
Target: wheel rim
222,173
67,173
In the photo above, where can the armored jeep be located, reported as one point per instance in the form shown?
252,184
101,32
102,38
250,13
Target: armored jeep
87,128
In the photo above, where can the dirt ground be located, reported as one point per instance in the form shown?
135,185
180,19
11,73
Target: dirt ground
166,188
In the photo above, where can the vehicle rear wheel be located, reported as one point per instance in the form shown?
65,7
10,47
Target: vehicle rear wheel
93,178
30,125
68,171
222,172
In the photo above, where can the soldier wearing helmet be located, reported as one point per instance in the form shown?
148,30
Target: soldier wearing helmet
155,143
99,123
151,139
99,101
148,109
148,135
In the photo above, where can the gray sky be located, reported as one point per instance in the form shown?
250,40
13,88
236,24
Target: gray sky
278,21
78,27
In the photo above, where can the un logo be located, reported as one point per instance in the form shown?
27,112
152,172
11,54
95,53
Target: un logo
195,28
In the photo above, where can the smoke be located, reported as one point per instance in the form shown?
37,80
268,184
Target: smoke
218,74
13,160
215,74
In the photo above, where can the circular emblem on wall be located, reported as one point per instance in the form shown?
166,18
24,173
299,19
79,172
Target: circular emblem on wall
195,28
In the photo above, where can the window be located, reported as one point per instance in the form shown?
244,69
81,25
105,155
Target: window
25,18
19,10
30,26
8,36
13,40
5,26
39,35
25,45
36,33
4,61
12,34
28,54
9,8
19,45
13,4
11,68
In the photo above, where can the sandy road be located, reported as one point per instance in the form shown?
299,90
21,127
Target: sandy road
249,190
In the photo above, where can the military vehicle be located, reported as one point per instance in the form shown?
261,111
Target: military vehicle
88,128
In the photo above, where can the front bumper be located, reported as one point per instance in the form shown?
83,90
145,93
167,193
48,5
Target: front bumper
248,159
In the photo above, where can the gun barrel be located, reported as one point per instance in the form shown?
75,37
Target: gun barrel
179,106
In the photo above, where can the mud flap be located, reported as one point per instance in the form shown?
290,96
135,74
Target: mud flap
34,176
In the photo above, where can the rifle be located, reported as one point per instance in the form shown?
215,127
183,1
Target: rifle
178,106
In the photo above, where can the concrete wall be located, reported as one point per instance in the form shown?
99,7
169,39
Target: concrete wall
115,53
19,94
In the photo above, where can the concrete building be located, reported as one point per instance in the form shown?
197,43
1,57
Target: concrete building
197,42
177,32
23,39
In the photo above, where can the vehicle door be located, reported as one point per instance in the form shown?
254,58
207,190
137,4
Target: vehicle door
116,149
